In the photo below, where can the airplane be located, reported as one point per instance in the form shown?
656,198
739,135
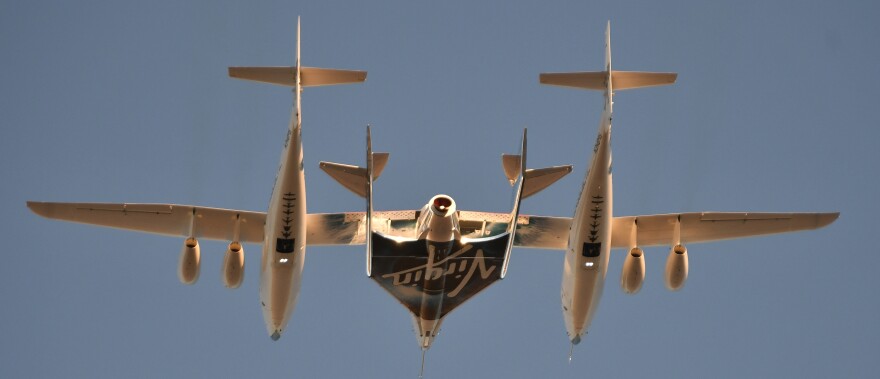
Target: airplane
435,258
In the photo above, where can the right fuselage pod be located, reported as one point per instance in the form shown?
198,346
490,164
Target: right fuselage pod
589,244
284,244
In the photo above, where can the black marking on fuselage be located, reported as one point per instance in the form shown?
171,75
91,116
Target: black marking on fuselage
592,250
594,226
285,244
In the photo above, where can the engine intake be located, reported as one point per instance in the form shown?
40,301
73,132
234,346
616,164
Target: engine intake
442,205
438,221
233,266
633,274
676,268
190,259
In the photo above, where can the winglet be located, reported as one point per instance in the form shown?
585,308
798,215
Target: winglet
297,63
368,227
359,180
517,199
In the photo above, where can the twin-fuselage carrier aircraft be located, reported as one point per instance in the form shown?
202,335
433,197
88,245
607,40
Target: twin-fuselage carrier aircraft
435,258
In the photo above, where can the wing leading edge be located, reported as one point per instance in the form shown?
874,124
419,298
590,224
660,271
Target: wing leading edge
538,232
165,219
657,230
542,232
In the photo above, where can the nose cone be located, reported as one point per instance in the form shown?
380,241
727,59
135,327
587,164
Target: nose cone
275,335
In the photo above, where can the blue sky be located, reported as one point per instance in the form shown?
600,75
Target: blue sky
119,101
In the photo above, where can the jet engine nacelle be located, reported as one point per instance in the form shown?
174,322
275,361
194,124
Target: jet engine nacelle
676,268
438,222
190,257
233,265
633,274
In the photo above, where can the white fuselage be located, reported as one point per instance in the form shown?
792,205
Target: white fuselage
589,244
285,233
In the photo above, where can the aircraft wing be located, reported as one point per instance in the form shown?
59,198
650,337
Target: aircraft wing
325,229
657,230
219,224
542,232
538,232
348,228
164,219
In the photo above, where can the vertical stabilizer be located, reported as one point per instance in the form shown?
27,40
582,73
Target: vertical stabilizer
368,226
518,184
298,79
608,47
609,88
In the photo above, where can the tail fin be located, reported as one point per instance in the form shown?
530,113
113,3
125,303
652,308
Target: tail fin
368,227
608,80
355,178
518,182
359,180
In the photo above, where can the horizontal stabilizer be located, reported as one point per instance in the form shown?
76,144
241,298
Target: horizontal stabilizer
534,180
286,76
635,79
595,80
585,80
354,178
537,179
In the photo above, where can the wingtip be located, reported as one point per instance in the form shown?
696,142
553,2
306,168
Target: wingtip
37,207
826,219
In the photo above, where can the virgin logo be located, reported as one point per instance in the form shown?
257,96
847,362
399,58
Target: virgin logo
448,268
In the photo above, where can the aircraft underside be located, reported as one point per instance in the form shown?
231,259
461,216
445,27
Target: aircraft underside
434,259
